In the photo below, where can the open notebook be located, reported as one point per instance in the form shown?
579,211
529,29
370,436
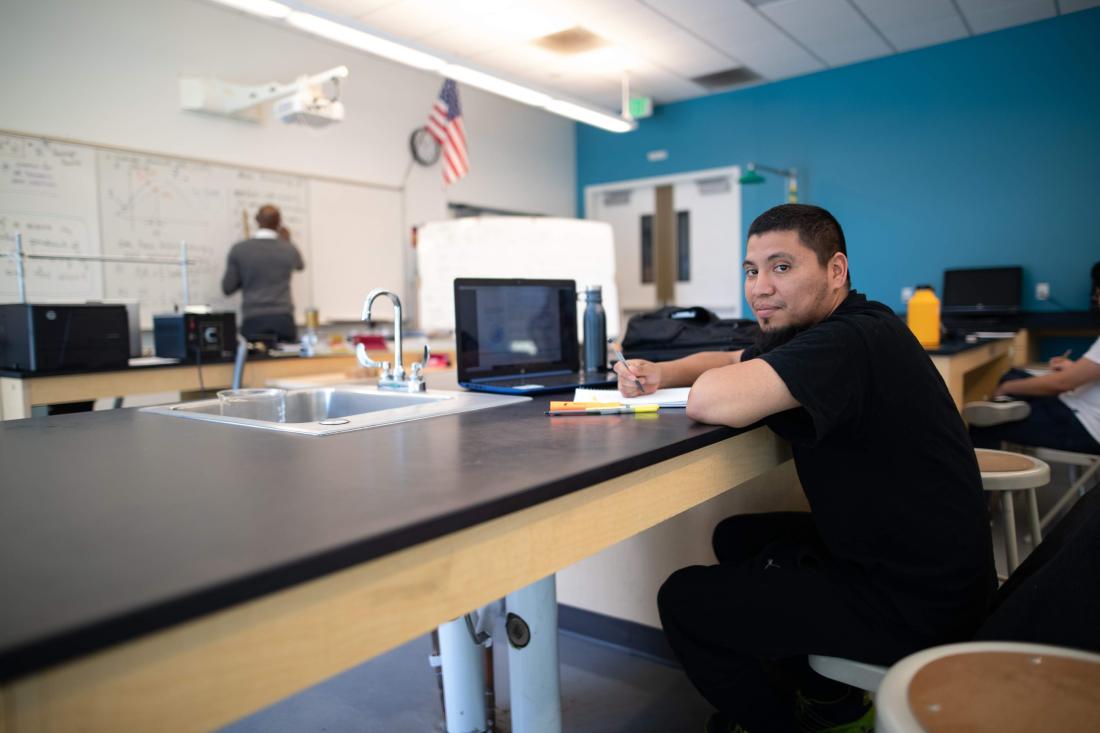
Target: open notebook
677,397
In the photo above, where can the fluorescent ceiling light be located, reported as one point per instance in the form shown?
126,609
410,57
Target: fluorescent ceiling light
589,117
365,41
495,85
266,8
411,57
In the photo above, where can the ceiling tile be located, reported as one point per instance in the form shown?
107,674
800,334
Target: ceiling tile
985,16
466,40
774,66
350,8
649,35
743,33
832,29
652,81
414,19
910,25
1072,6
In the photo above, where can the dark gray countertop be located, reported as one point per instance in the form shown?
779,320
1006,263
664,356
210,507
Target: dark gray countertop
117,523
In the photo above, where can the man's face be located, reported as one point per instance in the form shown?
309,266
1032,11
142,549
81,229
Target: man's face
784,283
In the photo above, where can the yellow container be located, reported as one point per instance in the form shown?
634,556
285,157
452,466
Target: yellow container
924,317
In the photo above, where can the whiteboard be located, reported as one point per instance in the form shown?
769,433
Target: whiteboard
80,199
513,246
363,247
48,193
149,204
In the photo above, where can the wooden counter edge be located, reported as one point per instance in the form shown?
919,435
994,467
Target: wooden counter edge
211,671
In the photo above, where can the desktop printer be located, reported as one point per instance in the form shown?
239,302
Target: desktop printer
195,337
38,337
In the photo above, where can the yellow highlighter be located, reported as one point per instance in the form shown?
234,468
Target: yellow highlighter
607,410
558,405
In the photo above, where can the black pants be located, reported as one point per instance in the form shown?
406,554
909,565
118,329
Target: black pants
278,327
743,628
1051,424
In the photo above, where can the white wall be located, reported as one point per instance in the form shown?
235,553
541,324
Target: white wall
105,71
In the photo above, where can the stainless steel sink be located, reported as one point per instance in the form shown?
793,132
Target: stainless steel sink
327,410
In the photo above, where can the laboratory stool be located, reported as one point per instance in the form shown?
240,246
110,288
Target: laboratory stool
1008,473
1090,462
995,686
857,674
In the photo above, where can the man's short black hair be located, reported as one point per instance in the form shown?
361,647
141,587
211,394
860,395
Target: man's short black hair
816,227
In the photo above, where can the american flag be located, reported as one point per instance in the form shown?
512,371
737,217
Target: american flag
445,125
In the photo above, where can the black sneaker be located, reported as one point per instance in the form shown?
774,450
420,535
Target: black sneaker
985,414
719,722
852,713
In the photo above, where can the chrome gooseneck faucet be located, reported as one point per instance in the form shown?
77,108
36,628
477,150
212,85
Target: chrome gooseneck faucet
393,378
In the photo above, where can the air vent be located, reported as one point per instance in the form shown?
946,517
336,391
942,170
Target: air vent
617,198
762,3
571,41
713,186
727,78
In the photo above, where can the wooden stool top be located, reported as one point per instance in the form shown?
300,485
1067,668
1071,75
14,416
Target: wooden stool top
1006,692
1003,462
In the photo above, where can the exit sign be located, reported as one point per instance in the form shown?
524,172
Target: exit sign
641,107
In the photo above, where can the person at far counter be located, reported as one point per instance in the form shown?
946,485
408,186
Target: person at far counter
260,267
1059,410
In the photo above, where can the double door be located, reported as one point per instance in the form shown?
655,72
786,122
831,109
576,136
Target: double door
677,240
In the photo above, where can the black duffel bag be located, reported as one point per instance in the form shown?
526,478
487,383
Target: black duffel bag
673,332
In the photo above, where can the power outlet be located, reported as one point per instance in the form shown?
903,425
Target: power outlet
1042,291
906,294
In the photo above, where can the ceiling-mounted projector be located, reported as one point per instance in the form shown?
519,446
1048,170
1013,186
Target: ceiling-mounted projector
304,108
301,101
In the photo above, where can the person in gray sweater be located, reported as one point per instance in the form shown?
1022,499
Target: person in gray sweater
260,267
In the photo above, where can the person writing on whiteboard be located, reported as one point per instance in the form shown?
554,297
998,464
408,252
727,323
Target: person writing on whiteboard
896,554
261,267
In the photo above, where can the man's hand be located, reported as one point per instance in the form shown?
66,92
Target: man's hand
1059,363
647,372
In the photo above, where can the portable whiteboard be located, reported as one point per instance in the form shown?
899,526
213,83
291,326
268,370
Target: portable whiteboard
513,246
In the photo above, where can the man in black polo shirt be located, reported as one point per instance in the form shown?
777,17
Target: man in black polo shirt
896,555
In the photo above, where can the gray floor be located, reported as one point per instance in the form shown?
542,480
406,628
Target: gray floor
604,690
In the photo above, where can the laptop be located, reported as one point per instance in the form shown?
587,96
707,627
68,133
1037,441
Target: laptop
516,336
982,300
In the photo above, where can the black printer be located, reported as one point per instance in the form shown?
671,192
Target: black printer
37,337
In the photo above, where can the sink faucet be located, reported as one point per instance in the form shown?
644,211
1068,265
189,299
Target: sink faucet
393,378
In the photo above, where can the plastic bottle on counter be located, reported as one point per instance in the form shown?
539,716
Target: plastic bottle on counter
309,338
923,316
595,329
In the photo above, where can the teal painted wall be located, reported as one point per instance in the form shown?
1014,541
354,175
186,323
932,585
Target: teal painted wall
981,152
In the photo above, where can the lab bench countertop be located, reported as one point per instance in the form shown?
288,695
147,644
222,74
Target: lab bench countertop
118,523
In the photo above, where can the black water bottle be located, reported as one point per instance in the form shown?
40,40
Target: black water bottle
595,330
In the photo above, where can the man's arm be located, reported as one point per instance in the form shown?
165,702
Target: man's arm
677,373
231,280
1070,377
739,394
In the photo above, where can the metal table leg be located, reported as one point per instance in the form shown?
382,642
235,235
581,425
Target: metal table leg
532,626
463,679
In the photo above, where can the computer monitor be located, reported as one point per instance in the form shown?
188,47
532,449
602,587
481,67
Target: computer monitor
981,291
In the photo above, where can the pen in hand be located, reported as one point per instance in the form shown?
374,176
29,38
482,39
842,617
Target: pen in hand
621,360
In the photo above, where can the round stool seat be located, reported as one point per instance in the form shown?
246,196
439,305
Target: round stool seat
1004,471
1001,687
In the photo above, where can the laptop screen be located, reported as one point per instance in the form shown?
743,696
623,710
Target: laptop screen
987,290
509,327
